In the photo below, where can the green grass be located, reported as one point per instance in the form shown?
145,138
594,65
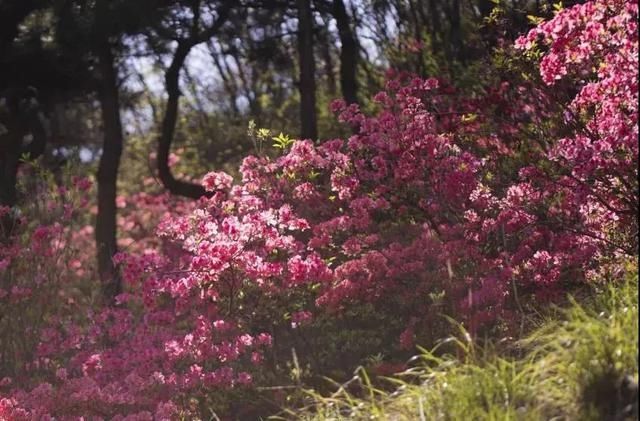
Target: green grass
581,364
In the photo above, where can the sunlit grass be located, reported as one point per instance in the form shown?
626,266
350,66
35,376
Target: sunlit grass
580,364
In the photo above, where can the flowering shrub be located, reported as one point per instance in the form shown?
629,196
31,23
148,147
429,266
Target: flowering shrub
587,183
404,216
38,273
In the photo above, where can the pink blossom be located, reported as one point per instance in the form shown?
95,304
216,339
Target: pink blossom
217,181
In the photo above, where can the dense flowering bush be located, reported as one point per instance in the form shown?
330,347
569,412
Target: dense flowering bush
596,45
404,215
132,360
38,275
403,212
589,183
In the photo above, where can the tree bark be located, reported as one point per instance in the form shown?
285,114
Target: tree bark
348,53
307,85
172,84
108,173
172,76
21,116
436,35
455,32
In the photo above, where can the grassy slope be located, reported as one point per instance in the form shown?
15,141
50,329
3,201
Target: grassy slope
581,364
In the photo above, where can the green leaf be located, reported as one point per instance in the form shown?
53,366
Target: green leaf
536,20
282,141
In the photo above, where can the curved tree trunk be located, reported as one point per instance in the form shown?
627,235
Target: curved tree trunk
108,173
172,76
172,83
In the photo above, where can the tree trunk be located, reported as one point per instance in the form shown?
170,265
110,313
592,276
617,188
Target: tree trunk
436,35
10,138
307,85
172,76
348,53
22,116
108,173
172,83
455,36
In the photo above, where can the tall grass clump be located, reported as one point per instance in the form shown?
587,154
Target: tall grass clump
588,359
581,363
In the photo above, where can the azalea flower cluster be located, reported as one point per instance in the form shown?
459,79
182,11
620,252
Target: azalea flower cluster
402,210
403,214
134,360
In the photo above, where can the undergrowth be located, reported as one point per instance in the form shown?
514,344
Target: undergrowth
582,363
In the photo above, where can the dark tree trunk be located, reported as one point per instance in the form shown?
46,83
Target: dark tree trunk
108,173
10,139
348,53
9,160
437,35
172,76
457,44
22,116
307,85
172,84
